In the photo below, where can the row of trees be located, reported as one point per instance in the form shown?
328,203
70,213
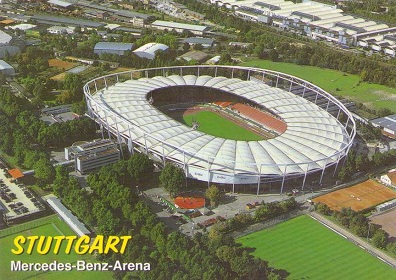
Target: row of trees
355,163
264,212
113,208
360,225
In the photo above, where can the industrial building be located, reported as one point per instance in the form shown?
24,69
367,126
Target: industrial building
180,27
148,50
90,156
112,48
6,69
57,29
318,21
10,45
387,125
205,42
55,20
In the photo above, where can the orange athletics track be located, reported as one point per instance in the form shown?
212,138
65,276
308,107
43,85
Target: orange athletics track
358,197
189,202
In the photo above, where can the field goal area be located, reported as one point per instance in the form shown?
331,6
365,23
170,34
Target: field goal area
49,223
358,197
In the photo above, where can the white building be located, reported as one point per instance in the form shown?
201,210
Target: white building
148,50
387,125
179,27
389,179
92,155
56,29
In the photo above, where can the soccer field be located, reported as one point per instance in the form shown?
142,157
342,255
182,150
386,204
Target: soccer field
309,250
48,226
336,82
215,125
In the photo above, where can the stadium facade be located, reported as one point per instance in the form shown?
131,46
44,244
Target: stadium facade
320,130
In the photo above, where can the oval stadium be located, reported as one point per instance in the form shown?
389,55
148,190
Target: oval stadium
228,125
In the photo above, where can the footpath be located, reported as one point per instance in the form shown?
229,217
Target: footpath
356,240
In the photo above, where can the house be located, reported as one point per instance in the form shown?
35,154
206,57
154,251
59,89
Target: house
389,179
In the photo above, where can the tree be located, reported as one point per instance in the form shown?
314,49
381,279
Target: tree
213,194
198,47
44,172
171,179
380,238
186,46
139,165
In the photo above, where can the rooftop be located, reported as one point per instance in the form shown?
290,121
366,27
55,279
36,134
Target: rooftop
5,65
67,21
68,216
113,46
179,25
4,38
60,3
388,122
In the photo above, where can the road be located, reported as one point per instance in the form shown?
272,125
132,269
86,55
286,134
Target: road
354,239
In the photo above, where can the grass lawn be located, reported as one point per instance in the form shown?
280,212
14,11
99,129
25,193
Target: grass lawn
48,226
215,125
309,250
336,82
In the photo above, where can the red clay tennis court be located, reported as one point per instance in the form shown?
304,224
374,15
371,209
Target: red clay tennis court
358,197
189,202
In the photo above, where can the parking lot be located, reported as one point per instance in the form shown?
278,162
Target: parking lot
16,200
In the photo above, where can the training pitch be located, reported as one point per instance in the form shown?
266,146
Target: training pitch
358,197
218,126
48,226
309,250
336,82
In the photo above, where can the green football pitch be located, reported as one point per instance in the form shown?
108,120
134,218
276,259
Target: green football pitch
308,250
48,226
215,125
336,82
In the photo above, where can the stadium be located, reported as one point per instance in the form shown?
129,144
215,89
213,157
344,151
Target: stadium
300,132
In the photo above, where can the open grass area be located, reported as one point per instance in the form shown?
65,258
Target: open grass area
309,250
61,64
215,125
337,83
48,226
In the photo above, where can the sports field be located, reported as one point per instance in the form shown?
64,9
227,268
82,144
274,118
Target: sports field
309,250
213,124
336,82
358,197
48,226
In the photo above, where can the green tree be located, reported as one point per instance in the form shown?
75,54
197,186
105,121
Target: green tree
139,165
380,238
171,179
213,194
44,172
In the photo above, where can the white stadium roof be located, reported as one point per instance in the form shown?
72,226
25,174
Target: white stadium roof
311,141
